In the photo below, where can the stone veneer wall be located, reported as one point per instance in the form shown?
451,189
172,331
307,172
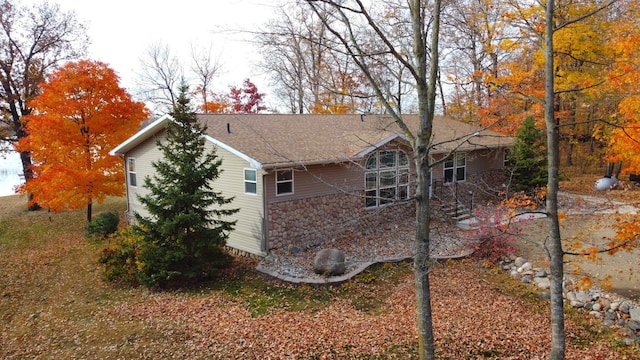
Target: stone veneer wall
295,225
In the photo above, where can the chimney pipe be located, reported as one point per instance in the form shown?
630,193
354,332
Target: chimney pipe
228,128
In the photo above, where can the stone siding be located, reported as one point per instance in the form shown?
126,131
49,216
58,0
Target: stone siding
298,224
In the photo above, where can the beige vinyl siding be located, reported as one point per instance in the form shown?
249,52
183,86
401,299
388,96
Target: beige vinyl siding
144,154
248,233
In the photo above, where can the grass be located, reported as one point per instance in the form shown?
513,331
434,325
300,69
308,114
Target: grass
51,283
54,304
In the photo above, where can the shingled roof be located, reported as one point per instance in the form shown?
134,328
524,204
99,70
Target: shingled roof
272,140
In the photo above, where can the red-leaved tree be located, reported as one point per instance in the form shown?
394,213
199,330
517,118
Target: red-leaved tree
247,99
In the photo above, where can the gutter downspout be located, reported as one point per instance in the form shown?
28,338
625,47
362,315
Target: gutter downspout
265,217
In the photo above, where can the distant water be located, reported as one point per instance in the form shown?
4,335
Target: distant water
10,170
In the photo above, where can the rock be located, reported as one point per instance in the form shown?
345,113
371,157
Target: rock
595,314
588,306
526,279
610,315
571,296
614,306
624,307
545,296
526,266
542,282
514,274
329,262
635,314
576,304
541,273
596,307
528,273
608,322
633,325
584,296
626,332
519,261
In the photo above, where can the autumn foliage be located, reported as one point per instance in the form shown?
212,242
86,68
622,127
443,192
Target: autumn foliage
240,100
81,114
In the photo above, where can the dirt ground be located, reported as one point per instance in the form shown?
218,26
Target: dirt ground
623,267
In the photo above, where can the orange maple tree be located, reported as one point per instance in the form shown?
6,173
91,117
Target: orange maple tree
80,115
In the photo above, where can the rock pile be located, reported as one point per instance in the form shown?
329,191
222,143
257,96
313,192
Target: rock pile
614,310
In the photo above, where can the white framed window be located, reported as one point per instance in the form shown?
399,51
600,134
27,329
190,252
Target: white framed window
455,168
284,182
250,181
131,172
386,178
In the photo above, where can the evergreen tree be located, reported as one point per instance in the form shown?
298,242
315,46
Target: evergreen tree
528,158
184,235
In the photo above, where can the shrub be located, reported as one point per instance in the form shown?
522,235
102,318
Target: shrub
493,235
121,258
103,225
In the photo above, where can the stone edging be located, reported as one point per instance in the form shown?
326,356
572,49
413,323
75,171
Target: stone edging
336,280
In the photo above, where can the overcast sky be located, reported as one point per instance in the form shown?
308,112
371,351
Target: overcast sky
121,31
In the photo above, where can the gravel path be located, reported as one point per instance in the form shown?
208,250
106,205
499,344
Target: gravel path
393,243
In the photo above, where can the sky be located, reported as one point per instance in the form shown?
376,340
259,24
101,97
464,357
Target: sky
121,31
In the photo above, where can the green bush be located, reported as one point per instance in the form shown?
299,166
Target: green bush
103,225
121,258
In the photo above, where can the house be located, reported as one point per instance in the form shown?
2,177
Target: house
299,179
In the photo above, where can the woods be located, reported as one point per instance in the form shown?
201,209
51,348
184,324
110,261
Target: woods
561,76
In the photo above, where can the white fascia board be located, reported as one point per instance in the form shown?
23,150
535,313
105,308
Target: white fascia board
373,147
142,134
252,162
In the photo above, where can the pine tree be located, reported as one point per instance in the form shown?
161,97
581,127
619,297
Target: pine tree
528,158
184,235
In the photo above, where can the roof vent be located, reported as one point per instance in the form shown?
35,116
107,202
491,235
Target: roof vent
362,117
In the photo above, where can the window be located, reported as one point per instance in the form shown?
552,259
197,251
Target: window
507,154
386,178
284,182
131,171
250,181
455,168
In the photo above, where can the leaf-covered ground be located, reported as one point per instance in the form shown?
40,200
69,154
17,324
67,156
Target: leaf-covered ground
53,304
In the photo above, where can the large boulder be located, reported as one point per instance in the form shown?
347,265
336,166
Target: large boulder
329,262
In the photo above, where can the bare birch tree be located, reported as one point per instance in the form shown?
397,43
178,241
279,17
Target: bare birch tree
421,61
205,67
160,77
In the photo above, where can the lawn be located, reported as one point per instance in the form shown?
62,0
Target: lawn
54,304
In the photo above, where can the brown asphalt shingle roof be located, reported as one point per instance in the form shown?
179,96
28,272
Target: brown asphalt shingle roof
275,139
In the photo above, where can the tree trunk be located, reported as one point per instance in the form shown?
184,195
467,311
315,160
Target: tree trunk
426,89
422,260
25,158
89,211
555,251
